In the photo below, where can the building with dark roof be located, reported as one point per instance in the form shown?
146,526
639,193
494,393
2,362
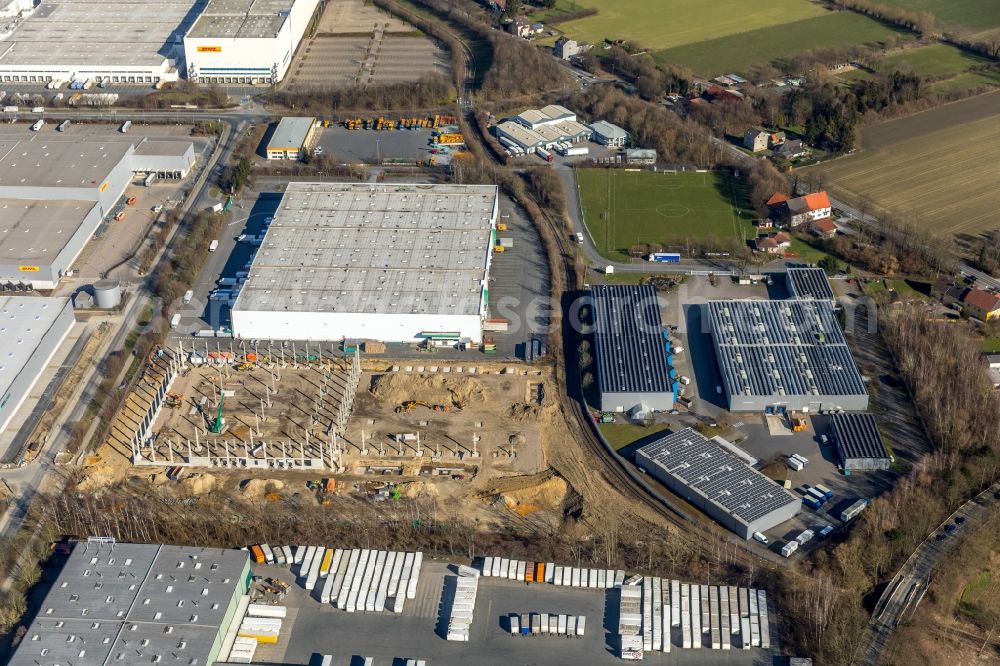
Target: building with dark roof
809,284
789,354
711,475
631,350
859,442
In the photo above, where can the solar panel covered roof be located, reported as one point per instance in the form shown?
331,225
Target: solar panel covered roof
858,436
720,476
628,340
782,348
806,283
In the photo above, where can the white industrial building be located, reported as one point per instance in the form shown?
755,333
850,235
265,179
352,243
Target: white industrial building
12,8
32,329
246,41
385,262
542,128
124,603
292,138
55,190
119,41
609,134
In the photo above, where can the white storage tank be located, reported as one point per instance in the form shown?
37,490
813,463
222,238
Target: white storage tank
107,294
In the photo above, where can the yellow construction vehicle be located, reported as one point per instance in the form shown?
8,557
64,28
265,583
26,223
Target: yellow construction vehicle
798,424
246,365
410,405
501,226
173,400
499,249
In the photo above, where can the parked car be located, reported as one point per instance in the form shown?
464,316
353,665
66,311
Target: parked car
959,520
941,537
951,528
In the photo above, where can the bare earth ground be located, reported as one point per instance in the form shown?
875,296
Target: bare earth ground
940,166
550,478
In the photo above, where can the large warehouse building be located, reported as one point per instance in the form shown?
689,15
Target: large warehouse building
633,373
397,263
784,354
135,41
56,189
138,604
32,329
246,41
542,128
714,477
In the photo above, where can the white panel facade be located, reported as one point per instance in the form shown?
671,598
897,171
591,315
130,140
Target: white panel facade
334,326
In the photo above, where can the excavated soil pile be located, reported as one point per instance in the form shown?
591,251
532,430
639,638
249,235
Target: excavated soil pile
397,388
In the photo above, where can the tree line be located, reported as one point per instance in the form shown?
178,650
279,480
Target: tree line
431,91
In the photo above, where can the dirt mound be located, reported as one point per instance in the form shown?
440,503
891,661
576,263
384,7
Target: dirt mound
259,487
199,484
397,388
522,411
528,494
416,489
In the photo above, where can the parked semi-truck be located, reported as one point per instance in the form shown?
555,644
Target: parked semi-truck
665,257
62,126
38,125
125,126
577,150
544,154
213,246
175,321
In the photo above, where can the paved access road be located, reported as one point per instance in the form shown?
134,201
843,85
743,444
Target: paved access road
907,588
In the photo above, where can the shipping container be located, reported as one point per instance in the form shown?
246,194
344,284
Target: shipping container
851,512
488,566
529,572
557,575
811,502
525,624
817,494
268,553
562,624
63,126
125,126
300,552
266,611
520,571
571,625
795,464
498,571
581,625
696,616
541,572
536,624
39,124
826,491
515,624
801,458
258,554
307,561
575,577
411,589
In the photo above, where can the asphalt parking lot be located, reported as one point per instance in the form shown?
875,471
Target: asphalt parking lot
374,147
312,629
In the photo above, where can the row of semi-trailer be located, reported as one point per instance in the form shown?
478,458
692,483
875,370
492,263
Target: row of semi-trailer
657,614
550,572
463,604
547,624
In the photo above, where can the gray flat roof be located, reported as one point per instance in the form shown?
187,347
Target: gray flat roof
356,247
606,129
858,436
45,160
718,475
110,599
164,147
805,283
241,18
137,33
35,232
24,321
290,133
628,340
781,348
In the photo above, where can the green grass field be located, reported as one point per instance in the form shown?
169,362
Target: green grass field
976,15
660,24
622,209
735,53
933,60
968,81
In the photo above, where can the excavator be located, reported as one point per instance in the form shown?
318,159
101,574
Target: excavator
410,405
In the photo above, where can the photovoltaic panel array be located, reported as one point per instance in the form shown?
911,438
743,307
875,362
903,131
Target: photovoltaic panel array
628,340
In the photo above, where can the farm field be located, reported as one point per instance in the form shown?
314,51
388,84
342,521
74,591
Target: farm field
933,60
975,15
622,209
660,24
739,51
941,164
967,81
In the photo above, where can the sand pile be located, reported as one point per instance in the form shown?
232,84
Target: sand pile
396,388
252,488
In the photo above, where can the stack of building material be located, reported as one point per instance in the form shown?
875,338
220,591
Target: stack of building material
243,650
460,620
261,629
630,611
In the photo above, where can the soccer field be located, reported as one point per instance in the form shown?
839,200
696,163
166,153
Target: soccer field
623,208
660,24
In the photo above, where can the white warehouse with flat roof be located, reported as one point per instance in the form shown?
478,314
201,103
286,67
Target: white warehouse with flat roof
246,41
396,263
32,329
135,41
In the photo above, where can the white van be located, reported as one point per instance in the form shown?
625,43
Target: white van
759,536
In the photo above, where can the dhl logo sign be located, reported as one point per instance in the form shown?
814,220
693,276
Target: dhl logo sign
28,269
209,49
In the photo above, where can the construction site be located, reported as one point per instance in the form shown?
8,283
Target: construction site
283,410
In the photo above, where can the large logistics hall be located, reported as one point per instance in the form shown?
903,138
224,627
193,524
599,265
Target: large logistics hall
717,477
396,263
55,190
123,603
32,329
246,41
633,370
119,41
787,354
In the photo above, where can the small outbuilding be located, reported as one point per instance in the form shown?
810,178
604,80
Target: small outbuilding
859,442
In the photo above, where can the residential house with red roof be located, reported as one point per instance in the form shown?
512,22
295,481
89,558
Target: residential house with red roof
808,208
824,228
982,305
